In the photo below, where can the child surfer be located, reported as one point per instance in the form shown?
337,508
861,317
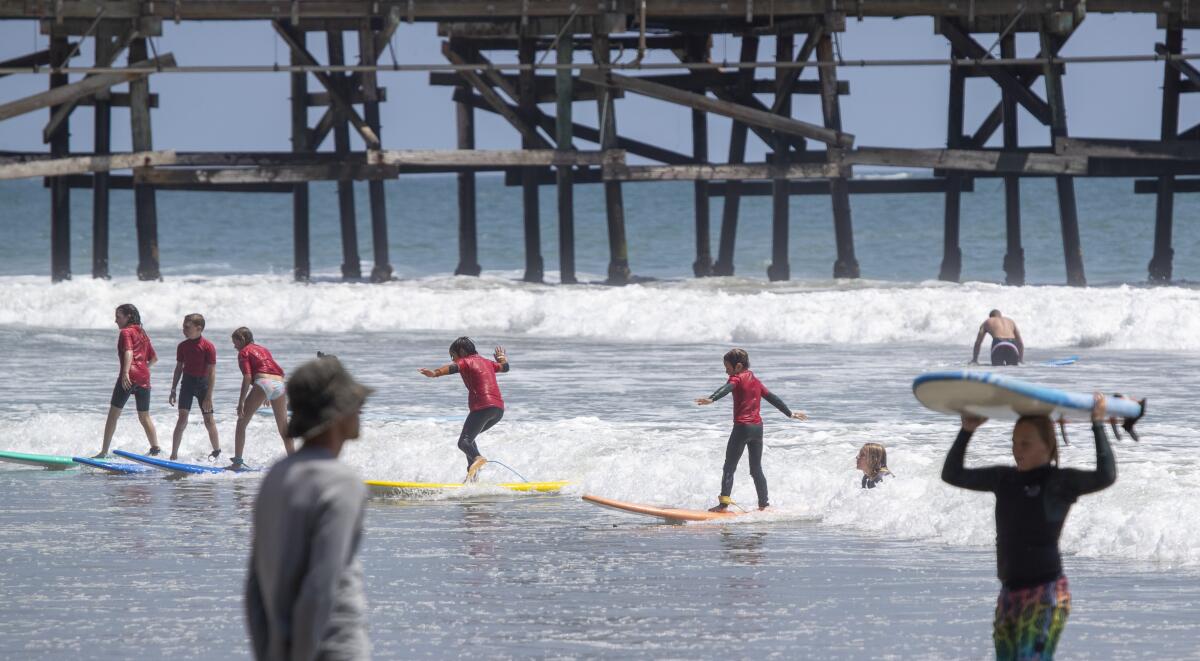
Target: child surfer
1032,501
196,367
747,425
136,354
262,381
483,394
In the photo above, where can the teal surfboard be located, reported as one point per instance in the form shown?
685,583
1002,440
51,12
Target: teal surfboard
991,395
50,462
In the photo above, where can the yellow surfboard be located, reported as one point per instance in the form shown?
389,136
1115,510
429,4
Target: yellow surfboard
384,488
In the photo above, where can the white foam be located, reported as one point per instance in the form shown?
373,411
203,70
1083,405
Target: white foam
709,310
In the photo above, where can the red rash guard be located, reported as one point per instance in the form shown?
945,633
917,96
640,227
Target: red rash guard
479,375
133,338
747,393
255,359
196,355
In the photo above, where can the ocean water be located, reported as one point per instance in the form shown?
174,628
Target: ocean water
601,394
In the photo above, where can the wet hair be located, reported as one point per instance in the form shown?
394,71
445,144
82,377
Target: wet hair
195,319
876,459
130,310
463,346
1045,431
995,313
319,393
243,335
735,356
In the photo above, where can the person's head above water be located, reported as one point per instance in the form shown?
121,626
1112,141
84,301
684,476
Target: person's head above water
872,459
462,347
736,361
127,315
1034,443
325,401
995,313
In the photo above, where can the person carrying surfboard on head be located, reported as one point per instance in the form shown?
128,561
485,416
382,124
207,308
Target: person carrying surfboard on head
196,366
1032,501
262,381
136,355
483,394
304,596
1007,346
747,425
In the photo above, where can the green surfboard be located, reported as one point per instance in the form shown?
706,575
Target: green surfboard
48,461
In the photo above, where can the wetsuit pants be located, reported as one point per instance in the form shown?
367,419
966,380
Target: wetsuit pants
740,438
1004,352
477,422
1029,621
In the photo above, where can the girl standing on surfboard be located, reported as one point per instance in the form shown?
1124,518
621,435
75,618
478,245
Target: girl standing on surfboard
136,355
262,381
483,394
747,425
1032,501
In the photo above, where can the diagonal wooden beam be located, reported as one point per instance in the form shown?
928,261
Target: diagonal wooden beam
82,88
588,133
64,111
325,124
793,75
1181,66
970,48
332,86
749,116
38,59
494,100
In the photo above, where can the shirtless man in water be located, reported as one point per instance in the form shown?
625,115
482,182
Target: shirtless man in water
1007,346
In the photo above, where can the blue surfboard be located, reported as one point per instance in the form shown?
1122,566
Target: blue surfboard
1060,362
120,468
177,467
991,395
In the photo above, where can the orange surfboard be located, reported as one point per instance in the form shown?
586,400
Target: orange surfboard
669,514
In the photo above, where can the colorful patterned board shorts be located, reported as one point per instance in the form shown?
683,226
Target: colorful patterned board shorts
1029,621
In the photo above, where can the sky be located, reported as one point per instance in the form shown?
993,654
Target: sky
896,107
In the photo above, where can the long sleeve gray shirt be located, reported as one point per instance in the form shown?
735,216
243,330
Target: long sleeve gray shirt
304,593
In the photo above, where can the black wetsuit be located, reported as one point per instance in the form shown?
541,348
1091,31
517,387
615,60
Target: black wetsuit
477,422
1031,507
746,436
871,482
1005,351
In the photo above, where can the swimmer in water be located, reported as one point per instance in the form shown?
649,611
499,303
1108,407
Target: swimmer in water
747,425
1032,502
872,461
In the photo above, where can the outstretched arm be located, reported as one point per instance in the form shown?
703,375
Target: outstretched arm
441,371
717,394
1083,482
1019,342
783,408
978,342
953,472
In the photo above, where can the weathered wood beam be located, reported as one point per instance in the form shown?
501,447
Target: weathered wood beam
117,100
1122,148
353,83
1150,186
322,99
749,116
791,77
545,86
52,167
588,133
63,111
1065,185
495,103
1014,255
493,158
1182,66
684,81
33,60
968,160
332,87
853,186
1162,261
125,182
86,87
1003,77
702,172
738,134
290,174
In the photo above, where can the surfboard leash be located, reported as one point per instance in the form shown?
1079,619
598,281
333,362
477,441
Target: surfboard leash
510,468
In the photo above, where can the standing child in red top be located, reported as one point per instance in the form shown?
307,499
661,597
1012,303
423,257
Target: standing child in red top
483,395
196,365
262,381
136,355
747,424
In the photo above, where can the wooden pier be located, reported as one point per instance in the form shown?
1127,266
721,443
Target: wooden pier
566,53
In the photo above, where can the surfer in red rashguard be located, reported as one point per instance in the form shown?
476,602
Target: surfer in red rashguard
747,424
483,395
137,356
